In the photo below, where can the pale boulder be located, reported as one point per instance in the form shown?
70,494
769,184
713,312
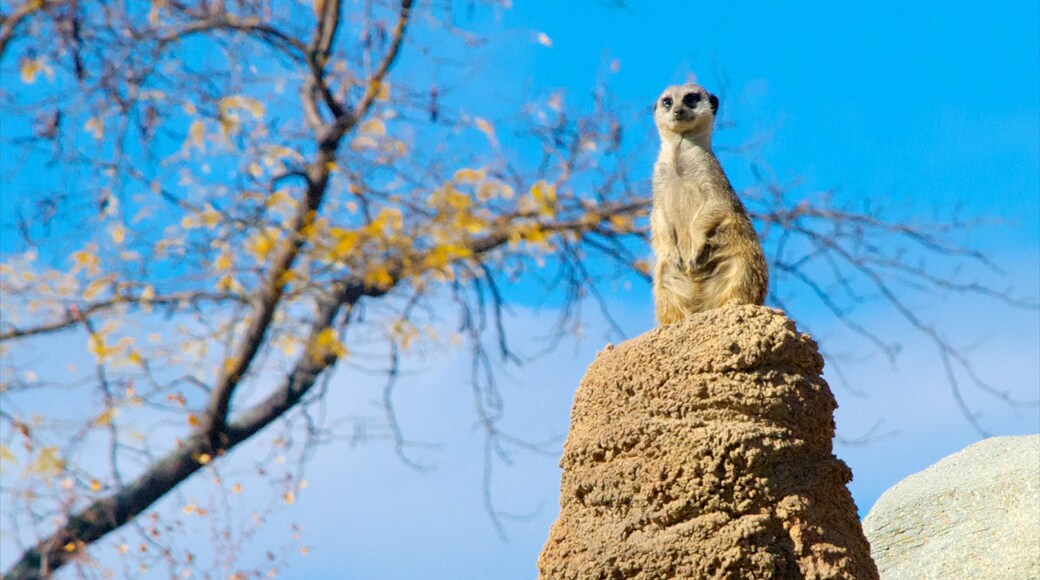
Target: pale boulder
973,515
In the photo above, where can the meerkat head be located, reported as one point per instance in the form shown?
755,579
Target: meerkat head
685,110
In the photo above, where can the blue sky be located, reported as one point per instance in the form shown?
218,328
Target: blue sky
926,106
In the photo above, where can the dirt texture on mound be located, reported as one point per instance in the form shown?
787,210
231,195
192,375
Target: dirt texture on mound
702,449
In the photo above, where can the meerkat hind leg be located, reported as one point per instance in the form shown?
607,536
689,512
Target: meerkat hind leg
675,295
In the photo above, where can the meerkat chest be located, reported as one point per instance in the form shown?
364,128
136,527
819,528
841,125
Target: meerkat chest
683,184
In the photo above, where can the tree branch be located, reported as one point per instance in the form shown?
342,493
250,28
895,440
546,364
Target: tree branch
9,24
72,317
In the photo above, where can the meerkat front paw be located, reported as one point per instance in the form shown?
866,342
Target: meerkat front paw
699,260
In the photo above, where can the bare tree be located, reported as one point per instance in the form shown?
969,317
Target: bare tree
244,193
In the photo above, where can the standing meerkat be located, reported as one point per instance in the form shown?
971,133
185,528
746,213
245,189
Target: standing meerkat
708,254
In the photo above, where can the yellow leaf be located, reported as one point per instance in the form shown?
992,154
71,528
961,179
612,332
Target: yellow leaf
278,197
197,133
253,106
176,398
223,262
287,345
471,224
287,277
262,243
94,288
383,91
228,124
86,259
621,222
105,418
443,255
289,497
345,242
210,216
448,196
30,68
469,175
95,485
390,217
543,39
6,455
405,332
556,101
190,508
135,358
227,283
193,420
118,233
532,233
277,152
98,347
544,195
96,126
362,142
237,488
204,458
48,462
485,127
327,344
379,277
374,126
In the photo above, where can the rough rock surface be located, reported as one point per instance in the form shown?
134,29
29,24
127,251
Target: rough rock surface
975,514
702,449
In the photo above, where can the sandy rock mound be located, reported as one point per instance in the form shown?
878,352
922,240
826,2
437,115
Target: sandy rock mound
975,514
703,450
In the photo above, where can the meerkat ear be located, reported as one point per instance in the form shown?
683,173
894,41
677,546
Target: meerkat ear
714,103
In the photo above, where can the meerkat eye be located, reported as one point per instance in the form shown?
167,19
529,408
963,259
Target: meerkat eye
691,99
667,102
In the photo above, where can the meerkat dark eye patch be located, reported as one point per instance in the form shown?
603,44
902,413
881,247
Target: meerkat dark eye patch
667,102
691,99
714,103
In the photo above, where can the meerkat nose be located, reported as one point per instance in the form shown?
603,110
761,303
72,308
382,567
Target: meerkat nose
678,113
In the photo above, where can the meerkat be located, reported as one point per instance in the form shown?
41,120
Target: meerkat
708,254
